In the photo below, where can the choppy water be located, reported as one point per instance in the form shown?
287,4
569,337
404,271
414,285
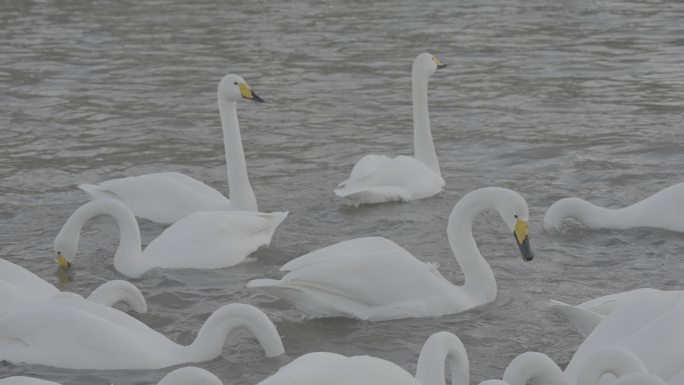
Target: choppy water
550,98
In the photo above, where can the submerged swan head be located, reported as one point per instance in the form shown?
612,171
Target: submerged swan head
426,64
234,88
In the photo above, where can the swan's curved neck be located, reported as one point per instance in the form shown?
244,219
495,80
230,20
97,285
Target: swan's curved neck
113,292
213,334
128,253
610,360
587,213
441,348
479,279
537,367
241,194
423,146
190,375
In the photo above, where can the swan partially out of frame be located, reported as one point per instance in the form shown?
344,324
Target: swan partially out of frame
663,210
380,178
20,286
67,331
182,376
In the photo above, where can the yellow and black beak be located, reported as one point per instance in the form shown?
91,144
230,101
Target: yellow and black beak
438,62
63,263
247,93
522,239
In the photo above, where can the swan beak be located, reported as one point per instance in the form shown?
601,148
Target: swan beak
247,93
62,262
438,62
522,239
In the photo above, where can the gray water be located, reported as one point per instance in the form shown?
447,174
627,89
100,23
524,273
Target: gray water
550,98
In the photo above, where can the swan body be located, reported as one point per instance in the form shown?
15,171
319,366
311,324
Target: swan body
441,351
375,279
586,316
181,376
663,210
167,197
20,286
650,326
379,178
204,240
69,332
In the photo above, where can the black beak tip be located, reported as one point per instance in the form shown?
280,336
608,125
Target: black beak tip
526,251
441,66
257,98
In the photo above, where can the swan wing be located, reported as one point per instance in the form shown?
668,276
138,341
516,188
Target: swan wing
21,380
582,319
19,285
377,179
213,239
366,278
161,197
664,209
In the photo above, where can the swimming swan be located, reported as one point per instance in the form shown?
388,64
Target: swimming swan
664,210
203,240
20,286
650,326
375,279
169,196
69,332
379,178
182,376
441,351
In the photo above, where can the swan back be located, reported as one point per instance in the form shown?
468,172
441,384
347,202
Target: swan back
190,375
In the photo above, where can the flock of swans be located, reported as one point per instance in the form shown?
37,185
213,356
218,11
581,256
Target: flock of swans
632,338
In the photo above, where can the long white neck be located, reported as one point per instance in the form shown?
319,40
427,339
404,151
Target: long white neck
587,213
640,379
440,349
423,146
128,255
536,368
479,279
609,360
241,194
113,292
190,375
213,334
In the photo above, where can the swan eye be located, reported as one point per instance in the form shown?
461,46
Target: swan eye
235,83
515,216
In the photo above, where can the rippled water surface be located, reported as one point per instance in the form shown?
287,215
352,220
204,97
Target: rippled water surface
550,98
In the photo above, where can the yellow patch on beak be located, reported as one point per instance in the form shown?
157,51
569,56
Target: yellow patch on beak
521,229
438,62
246,91
62,262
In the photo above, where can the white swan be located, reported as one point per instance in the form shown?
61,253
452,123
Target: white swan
69,332
664,210
586,316
316,368
182,376
169,196
538,368
20,286
375,279
379,178
204,240
648,325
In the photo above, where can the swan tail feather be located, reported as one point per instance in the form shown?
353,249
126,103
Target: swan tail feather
585,321
96,192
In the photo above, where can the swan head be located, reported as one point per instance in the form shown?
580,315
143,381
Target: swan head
234,88
65,249
515,215
426,64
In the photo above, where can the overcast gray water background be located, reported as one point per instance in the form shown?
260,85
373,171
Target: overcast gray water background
550,98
